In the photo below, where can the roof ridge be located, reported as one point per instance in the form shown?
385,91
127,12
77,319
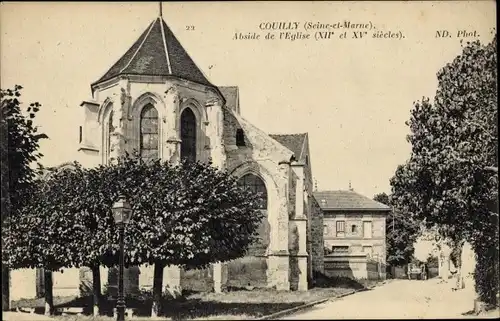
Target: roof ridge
165,44
140,46
304,133
187,53
303,145
100,79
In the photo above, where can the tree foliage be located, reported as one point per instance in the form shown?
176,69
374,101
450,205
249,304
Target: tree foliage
450,179
401,232
19,143
190,215
22,143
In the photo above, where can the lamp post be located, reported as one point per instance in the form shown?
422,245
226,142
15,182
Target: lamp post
122,213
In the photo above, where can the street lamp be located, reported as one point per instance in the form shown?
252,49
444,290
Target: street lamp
122,213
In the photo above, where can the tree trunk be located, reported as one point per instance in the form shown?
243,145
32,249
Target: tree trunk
96,289
157,289
5,288
479,306
49,295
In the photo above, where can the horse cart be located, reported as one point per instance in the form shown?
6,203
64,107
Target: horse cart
418,272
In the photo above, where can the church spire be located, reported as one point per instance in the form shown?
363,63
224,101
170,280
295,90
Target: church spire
161,11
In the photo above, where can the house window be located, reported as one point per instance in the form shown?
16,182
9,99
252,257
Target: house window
354,229
340,225
240,137
367,229
256,185
149,133
80,137
325,229
188,135
340,249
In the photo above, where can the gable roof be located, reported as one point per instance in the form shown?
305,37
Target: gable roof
157,52
231,95
294,142
258,137
347,201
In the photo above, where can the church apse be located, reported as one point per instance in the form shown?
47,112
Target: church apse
166,108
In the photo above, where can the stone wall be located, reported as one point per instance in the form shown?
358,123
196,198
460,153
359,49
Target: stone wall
249,271
353,266
198,280
291,195
263,156
317,243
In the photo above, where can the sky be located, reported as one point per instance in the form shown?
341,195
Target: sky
352,96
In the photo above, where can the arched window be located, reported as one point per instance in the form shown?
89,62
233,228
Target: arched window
149,133
255,184
111,129
188,135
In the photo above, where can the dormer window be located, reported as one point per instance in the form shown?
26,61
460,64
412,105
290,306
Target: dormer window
240,137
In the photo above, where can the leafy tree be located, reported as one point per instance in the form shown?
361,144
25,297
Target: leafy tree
20,143
44,232
451,177
190,215
401,233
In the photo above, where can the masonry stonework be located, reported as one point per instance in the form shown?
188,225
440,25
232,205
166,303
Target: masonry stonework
317,244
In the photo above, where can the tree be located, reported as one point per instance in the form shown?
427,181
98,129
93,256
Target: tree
451,177
401,233
44,233
190,215
20,143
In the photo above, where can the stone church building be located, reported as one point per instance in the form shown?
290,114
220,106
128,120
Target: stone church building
155,100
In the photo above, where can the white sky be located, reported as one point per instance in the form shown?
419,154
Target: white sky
352,96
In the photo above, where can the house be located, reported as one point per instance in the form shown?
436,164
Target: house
354,234
157,101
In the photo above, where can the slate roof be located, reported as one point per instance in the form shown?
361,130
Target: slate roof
231,95
347,201
294,142
157,52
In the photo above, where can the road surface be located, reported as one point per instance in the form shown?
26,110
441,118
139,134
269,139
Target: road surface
19,316
396,299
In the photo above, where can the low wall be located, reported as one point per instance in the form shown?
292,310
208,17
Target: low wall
246,271
199,280
354,266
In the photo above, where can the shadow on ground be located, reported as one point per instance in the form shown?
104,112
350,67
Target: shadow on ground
233,303
323,281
